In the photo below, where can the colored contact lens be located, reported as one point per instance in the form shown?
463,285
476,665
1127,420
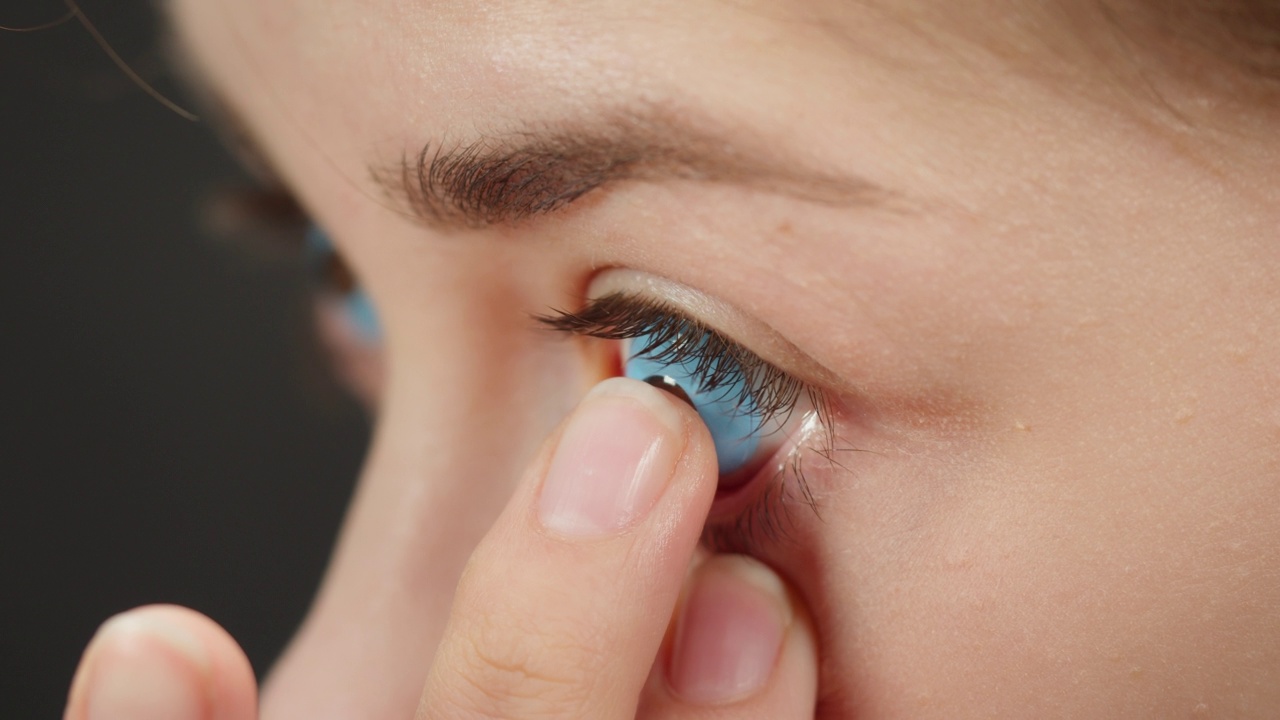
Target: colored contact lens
726,409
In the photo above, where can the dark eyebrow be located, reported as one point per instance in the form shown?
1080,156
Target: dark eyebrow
532,170
535,170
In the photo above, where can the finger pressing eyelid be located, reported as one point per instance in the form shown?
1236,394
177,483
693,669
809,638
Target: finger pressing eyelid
615,457
564,604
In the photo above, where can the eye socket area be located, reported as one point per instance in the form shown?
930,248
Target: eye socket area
753,410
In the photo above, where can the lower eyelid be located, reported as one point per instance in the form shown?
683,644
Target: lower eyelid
775,440
773,502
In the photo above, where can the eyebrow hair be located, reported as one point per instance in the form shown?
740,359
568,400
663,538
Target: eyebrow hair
540,169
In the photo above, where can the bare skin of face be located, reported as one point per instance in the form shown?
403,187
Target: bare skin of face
1033,276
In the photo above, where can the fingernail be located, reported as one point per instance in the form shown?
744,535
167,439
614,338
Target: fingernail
614,459
143,668
730,631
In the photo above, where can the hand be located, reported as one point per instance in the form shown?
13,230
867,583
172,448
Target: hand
583,601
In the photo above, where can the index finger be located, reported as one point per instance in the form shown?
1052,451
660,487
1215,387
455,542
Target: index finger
562,608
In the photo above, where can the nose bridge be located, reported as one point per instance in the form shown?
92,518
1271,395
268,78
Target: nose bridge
459,422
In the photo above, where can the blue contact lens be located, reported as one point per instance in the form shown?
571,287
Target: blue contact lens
727,409
356,305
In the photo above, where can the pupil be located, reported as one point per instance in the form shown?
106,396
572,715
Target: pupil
663,382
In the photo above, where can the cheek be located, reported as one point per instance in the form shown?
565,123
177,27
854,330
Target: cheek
1103,591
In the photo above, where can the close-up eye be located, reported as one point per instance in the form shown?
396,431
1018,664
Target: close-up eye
334,278
760,417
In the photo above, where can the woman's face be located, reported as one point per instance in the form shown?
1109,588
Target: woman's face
1033,274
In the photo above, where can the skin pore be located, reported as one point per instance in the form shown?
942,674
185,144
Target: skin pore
1035,269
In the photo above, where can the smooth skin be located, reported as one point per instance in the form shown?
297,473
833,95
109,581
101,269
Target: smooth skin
1049,333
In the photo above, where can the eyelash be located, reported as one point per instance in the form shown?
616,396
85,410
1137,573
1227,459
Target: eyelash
720,363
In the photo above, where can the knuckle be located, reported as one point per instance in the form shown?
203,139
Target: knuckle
504,671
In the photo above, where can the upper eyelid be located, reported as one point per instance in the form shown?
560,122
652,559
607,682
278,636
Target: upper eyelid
776,391
726,320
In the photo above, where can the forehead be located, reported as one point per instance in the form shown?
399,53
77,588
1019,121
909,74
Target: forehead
461,58
375,79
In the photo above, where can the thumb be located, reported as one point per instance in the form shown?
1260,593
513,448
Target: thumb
741,646
162,662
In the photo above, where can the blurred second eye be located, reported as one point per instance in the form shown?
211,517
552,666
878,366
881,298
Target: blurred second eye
336,278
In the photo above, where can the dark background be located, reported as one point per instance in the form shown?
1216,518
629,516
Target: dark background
169,433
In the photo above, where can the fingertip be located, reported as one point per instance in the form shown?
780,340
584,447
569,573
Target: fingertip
162,661
232,684
742,645
563,606
730,632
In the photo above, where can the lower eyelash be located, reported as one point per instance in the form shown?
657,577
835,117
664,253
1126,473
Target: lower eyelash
768,518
